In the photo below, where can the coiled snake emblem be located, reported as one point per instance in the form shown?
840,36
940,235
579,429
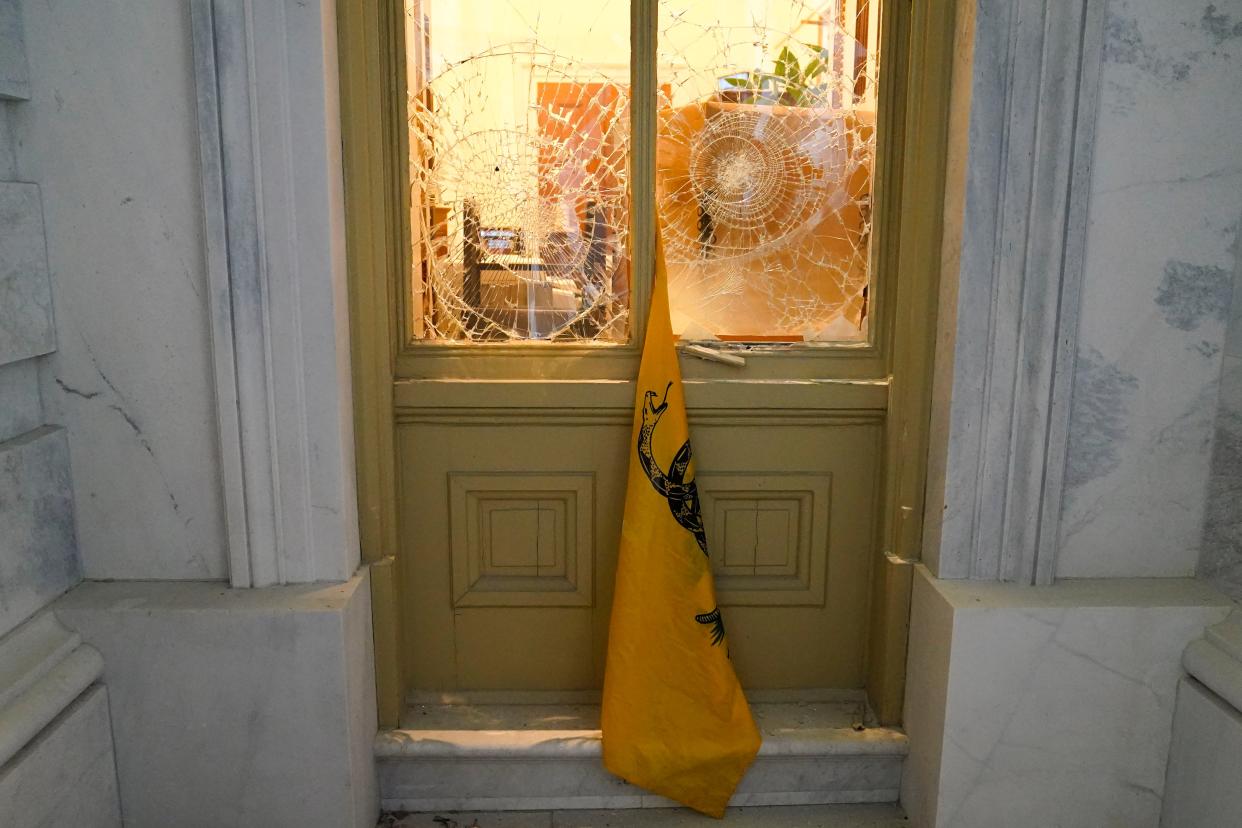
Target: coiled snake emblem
682,494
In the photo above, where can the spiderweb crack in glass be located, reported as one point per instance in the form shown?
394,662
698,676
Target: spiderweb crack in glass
519,151
518,165
766,145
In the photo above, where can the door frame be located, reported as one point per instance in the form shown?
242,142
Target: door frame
912,154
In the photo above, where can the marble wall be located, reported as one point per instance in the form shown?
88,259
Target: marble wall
57,765
14,72
1165,206
38,560
237,706
37,557
26,326
1205,761
1037,706
20,408
1221,559
67,775
110,135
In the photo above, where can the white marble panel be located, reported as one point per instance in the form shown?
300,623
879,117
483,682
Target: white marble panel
20,410
1205,761
1221,560
1233,339
67,775
8,154
26,325
1058,700
237,707
1166,197
110,134
526,782
14,73
926,701
37,551
795,816
524,756
814,816
269,127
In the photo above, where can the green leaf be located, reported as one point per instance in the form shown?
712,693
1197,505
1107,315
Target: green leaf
824,54
787,65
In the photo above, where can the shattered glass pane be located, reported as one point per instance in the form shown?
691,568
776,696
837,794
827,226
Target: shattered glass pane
519,144
764,166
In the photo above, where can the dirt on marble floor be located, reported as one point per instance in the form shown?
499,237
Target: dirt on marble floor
797,816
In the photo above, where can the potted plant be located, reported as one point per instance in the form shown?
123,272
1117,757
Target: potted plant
790,83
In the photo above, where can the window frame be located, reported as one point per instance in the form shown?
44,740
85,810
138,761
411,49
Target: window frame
868,359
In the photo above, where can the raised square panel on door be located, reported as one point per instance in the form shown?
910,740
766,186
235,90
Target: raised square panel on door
521,539
531,500
789,505
769,536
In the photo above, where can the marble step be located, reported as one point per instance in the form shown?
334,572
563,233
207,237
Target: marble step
532,757
769,816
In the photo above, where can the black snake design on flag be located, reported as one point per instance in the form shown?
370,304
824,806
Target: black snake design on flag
682,494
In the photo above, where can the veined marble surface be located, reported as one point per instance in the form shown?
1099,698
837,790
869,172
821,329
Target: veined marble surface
1205,761
1221,561
14,74
26,326
67,775
804,816
522,757
8,155
20,409
237,706
37,557
1057,701
1166,201
110,135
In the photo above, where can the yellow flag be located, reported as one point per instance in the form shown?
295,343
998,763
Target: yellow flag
674,717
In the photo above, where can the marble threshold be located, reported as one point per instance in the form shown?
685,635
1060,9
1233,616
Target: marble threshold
784,816
535,757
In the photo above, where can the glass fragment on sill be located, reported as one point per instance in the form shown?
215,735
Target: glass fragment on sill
765,160
519,146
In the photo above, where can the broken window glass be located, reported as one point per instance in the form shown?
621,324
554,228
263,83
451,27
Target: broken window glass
765,155
519,150
519,144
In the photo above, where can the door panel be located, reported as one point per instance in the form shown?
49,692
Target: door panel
511,531
512,517
797,619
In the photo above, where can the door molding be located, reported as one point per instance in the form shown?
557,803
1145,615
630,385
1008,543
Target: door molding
372,89
273,199
1025,91
371,41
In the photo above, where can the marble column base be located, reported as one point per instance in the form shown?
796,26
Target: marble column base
66,775
241,707
1035,706
1205,760
56,763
